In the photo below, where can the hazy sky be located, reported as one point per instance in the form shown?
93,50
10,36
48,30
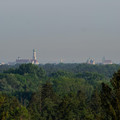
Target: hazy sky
69,29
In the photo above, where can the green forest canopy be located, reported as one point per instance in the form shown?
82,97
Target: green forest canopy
59,92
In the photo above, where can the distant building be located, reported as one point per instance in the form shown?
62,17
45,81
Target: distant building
91,61
105,62
33,60
11,63
61,60
22,61
2,63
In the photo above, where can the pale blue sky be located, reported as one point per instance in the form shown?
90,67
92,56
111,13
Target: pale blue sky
69,29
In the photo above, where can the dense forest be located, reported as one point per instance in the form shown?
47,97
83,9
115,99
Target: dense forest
60,92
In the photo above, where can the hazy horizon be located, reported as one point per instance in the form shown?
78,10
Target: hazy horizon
65,29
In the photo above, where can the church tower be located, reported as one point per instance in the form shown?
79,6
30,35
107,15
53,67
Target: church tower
34,54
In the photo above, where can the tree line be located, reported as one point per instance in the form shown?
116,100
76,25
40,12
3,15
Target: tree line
30,92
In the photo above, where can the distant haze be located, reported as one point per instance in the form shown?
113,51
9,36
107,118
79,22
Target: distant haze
72,30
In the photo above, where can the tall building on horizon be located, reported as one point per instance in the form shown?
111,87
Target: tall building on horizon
25,61
34,54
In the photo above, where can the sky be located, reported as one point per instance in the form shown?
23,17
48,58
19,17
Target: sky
72,30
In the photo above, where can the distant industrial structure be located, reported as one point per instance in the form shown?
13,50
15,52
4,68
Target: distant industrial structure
106,62
90,61
33,60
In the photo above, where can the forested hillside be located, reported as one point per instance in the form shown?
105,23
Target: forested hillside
59,92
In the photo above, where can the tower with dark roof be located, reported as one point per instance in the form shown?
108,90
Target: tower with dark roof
34,54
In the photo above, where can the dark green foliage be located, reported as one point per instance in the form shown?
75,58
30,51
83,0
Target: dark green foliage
11,109
47,91
106,70
90,76
110,98
95,105
27,69
73,106
26,75
7,67
43,103
61,73
59,92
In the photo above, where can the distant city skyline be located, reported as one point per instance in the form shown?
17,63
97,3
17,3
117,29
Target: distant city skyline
34,60
69,30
